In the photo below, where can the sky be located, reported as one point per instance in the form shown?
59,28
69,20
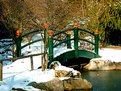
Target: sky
18,74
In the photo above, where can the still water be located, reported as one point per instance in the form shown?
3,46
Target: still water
104,80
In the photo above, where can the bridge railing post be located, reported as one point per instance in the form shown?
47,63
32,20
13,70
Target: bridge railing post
68,38
50,45
97,43
18,43
76,39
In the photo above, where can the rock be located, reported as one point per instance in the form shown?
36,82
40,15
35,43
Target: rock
68,87
102,64
53,85
118,65
76,84
66,79
63,73
70,84
54,64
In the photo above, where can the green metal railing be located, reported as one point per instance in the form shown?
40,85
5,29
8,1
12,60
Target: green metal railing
68,40
19,38
53,38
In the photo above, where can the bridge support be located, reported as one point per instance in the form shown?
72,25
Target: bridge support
69,42
76,40
96,42
18,43
50,48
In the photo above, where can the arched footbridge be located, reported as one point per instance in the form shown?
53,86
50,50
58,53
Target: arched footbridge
69,45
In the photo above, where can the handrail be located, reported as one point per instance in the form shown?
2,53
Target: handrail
87,41
31,43
67,40
85,31
19,39
16,58
30,33
64,41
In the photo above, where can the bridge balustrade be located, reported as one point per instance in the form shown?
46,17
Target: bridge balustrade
81,39
74,38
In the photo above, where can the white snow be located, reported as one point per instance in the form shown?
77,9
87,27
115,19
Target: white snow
113,55
18,74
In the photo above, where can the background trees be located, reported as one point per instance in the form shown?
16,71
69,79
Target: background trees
105,15
28,15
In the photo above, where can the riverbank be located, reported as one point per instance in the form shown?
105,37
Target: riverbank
110,59
102,64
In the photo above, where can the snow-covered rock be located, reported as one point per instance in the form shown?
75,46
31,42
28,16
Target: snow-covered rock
102,64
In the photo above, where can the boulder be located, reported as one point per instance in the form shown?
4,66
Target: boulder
70,84
76,84
53,85
102,64
66,79
63,71
118,65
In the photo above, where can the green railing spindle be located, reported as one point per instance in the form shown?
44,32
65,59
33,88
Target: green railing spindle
96,42
18,43
50,46
68,38
76,39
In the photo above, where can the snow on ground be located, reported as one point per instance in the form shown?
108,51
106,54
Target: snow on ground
113,55
18,74
21,79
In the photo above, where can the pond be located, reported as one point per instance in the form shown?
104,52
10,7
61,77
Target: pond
104,80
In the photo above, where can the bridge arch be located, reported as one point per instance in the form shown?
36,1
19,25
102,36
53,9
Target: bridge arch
78,42
66,57
75,40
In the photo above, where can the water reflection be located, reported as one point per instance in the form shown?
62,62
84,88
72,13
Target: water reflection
104,80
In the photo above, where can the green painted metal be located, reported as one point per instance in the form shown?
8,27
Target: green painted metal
19,39
86,31
76,52
60,32
87,54
87,41
96,44
61,42
30,33
18,46
65,56
31,43
50,48
76,42
71,54
68,42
